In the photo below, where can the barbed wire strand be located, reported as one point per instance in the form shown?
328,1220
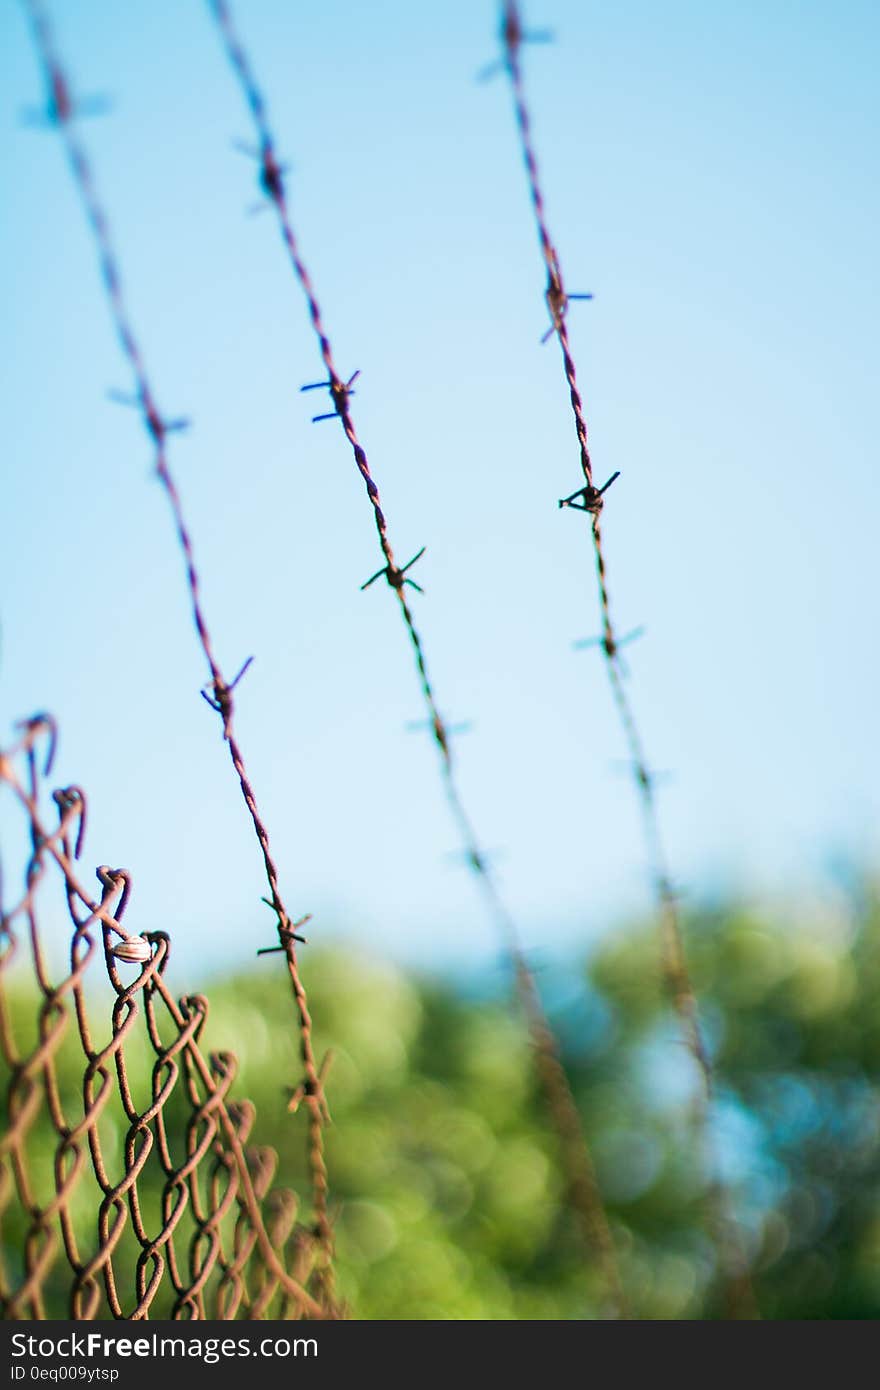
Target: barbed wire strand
575,1155
739,1292
61,111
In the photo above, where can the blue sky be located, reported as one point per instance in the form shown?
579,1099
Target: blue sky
711,176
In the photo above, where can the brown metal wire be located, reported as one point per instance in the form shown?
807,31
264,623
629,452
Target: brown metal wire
224,1243
576,1160
590,500
61,111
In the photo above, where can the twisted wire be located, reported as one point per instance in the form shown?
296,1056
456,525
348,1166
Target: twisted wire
675,968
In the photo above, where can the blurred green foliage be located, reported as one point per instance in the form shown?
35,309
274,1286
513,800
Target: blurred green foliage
447,1196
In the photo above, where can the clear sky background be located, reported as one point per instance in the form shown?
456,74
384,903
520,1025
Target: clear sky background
711,176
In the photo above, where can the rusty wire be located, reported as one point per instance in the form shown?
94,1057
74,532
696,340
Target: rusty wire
224,1244
590,500
575,1156
61,111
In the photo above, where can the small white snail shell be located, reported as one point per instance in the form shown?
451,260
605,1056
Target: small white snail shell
134,948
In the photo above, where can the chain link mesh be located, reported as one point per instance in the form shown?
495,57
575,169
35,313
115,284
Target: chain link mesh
129,1183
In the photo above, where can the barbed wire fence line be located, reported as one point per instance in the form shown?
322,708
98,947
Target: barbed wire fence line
61,112
575,1156
590,500
181,1218
270,1260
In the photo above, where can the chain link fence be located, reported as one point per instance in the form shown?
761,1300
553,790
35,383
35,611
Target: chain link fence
129,1183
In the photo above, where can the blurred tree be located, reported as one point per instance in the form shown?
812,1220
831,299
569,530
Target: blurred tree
447,1199
791,1005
